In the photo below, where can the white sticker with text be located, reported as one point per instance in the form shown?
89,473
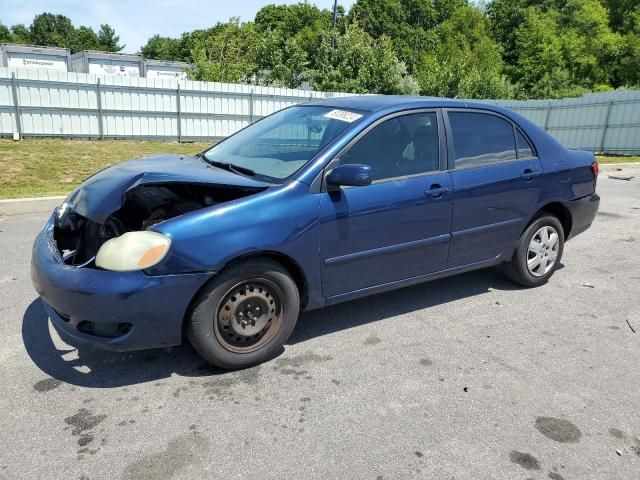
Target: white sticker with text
343,115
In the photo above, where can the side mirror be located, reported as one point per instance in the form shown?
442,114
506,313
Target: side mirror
350,175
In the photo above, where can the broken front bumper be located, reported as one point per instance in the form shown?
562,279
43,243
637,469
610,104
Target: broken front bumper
113,310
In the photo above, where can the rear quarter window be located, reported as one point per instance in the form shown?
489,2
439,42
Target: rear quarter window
525,150
480,138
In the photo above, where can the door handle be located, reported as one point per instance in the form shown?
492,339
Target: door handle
528,174
436,191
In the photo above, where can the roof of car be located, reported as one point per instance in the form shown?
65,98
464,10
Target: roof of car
372,103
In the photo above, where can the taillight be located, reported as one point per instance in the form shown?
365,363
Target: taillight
594,168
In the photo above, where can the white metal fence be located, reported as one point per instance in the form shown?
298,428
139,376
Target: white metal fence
602,122
45,103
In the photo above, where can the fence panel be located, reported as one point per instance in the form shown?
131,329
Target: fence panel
606,122
46,103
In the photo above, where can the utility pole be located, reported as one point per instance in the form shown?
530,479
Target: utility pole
335,18
415,45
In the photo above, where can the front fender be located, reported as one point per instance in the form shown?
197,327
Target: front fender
282,220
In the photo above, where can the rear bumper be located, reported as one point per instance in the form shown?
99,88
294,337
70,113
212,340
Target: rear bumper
114,310
583,211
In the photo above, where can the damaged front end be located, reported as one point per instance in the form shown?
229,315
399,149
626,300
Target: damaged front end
79,238
92,264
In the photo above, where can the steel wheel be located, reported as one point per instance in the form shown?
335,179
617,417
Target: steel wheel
543,251
249,315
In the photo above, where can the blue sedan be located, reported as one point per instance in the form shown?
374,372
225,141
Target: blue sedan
313,205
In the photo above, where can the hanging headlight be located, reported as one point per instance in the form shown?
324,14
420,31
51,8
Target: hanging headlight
133,251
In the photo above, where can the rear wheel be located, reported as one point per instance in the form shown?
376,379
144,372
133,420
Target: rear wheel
244,316
538,252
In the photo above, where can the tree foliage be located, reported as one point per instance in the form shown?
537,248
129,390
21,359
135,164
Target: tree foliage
108,40
454,48
302,25
20,34
163,48
555,48
356,62
5,34
280,60
465,62
58,31
224,53
49,29
405,22
540,67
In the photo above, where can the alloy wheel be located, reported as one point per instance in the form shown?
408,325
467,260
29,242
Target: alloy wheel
543,251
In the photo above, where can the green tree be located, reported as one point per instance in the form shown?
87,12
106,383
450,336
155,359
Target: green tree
108,40
590,47
541,70
84,38
445,8
58,31
629,63
5,34
291,20
505,18
302,24
405,22
224,53
163,48
619,11
466,62
52,30
20,34
280,61
360,64
632,21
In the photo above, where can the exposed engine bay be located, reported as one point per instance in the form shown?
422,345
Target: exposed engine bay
78,238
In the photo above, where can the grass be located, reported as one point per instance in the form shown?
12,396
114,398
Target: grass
33,168
605,159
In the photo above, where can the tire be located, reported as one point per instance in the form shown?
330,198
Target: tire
518,270
222,325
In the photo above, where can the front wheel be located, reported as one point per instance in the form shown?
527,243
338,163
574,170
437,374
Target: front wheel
538,252
244,316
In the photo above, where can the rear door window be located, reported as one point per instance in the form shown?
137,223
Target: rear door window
480,138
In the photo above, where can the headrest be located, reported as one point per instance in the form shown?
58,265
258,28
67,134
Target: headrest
425,136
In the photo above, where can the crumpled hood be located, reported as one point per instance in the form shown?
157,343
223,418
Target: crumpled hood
103,193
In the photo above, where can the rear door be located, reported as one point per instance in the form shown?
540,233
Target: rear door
497,183
399,226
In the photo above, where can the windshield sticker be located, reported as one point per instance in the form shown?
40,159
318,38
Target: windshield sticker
343,115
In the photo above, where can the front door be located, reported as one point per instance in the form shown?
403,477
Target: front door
497,183
399,226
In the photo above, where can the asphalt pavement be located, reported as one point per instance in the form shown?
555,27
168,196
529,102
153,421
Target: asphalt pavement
469,377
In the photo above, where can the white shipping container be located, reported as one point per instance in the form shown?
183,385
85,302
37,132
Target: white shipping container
27,56
110,64
165,72
30,60
114,67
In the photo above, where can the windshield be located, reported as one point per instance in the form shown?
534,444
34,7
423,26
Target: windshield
279,145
